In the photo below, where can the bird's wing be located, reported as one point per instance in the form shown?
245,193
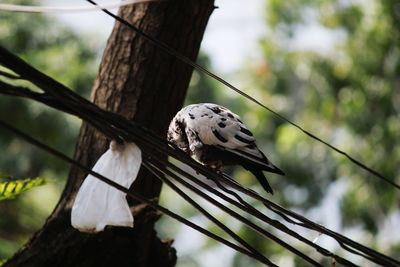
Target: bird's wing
214,125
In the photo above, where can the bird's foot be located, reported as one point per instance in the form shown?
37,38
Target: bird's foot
215,166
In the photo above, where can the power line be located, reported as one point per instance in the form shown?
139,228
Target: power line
187,160
246,208
159,174
169,50
146,140
160,148
297,219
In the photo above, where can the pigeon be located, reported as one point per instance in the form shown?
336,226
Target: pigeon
215,136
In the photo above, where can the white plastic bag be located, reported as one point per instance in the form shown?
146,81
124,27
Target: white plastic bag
98,204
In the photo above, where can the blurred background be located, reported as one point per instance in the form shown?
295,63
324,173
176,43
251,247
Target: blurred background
331,66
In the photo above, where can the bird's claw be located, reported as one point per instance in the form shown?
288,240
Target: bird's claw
215,166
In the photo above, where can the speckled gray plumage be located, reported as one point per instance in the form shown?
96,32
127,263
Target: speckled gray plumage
215,136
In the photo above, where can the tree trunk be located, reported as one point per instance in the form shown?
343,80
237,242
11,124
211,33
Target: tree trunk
144,84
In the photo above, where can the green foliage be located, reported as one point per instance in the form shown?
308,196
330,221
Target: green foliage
11,188
59,52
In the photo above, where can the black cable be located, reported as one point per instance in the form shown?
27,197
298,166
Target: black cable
103,120
159,174
111,124
252,211
344,241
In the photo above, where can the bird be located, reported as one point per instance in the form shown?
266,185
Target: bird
216,137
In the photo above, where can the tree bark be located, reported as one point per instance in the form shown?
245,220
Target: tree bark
144,84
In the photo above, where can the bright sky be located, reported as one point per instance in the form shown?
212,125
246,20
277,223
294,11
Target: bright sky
231,35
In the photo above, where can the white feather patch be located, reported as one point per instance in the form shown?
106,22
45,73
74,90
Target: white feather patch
98,204
205,122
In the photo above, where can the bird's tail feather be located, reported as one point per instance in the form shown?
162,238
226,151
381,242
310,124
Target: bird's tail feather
262,179
262,163
275,169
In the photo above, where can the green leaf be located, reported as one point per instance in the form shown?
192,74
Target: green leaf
10,188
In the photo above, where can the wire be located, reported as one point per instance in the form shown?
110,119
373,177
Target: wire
159,174
344,241
68,9
113,125
244,206
169,50
148,141
232,213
